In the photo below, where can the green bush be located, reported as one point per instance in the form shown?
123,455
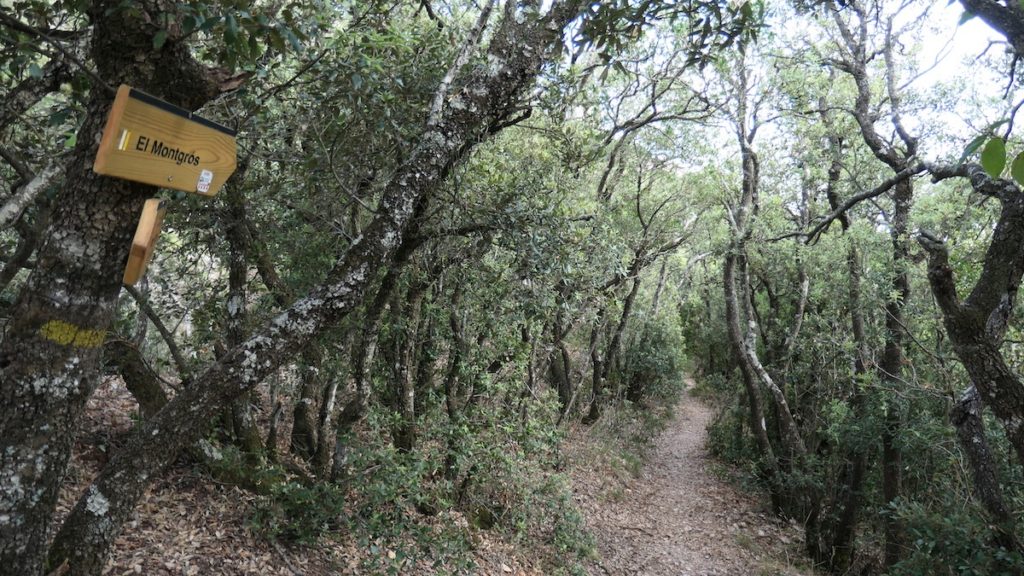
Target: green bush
651,363
294,512
954,541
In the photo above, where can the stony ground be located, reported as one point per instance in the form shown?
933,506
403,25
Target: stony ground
678,517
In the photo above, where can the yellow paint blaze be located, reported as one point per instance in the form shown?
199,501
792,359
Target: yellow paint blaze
67,334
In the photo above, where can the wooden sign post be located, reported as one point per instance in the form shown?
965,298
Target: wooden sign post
150,141
146,234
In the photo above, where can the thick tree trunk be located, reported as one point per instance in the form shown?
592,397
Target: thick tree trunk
978,324
49,357
966,417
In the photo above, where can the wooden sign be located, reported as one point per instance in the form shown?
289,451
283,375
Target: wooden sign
148,140
146,234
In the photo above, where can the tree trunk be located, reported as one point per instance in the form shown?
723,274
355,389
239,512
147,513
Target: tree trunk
303,438
246,433
597,364
831,537
403,373
365,351
768,464
656,299
561,362
322,454
977,325
891,366
49,357
966,417
138,377
615,346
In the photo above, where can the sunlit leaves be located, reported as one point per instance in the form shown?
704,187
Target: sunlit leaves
612,26
1017,168
993,157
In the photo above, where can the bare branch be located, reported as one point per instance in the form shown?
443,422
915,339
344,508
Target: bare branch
852,201
25,195
150,313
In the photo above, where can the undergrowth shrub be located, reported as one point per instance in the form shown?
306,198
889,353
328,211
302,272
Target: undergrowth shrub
955,541
651,362
294,512
402,507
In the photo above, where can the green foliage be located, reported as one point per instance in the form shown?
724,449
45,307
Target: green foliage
993,157
300,513
651,367
955,541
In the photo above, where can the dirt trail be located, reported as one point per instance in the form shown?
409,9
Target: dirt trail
678,518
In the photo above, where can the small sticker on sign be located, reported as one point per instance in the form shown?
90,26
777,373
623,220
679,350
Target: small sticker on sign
205,177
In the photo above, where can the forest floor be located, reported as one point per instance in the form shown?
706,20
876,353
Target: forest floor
669,511
675,514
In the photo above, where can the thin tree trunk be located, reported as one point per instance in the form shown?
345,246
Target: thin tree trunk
768,464
831,538
891,366
406,431
656,299
597,364
303,438
138,377
615,345
365,351
242,412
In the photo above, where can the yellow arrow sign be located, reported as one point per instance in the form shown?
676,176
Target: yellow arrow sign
148,140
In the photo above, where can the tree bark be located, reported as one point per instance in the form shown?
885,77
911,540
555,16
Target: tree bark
243,419
365,350
891,365
30,91
976,326
49,357
768,463
966,417
138,377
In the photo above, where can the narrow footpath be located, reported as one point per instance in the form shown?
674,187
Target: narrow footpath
678,518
